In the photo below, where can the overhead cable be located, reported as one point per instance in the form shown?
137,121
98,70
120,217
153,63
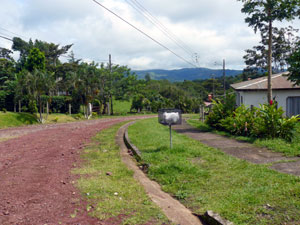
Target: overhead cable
145,34
6,38
142,10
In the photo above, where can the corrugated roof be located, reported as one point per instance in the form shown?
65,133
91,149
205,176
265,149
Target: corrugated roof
279,81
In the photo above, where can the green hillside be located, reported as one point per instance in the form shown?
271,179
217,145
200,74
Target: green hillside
185,74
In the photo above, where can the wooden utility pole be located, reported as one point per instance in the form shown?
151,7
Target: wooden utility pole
270,58
224,83
111,97
213,84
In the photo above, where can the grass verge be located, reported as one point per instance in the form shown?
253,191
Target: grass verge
121,107
10,119
277,144
118,194
204,178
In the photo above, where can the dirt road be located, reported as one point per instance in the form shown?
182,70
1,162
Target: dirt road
36,184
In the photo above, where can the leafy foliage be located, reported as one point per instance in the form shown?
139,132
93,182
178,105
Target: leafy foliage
264,122
220,111
284,44
261,15
294,67
35,60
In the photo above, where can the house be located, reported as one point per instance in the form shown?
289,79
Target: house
254,92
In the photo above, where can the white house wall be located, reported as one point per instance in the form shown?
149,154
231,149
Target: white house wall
260,97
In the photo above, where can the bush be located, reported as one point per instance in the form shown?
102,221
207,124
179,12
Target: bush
78,116
4,110
264,122
94,114
32,108
242,122
220,111
24,109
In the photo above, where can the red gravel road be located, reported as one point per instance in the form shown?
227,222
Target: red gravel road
36,184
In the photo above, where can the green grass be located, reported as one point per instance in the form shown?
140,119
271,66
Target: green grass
59,118
130,202
121,107
10,119
204,178
277,144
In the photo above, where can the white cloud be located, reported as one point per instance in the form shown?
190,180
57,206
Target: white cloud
213,29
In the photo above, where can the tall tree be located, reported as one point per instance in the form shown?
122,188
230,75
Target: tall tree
38,83
284,43
294,67
35,60
262,13
51,51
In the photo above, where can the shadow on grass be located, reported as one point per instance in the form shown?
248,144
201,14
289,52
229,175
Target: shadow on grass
204,128
26,118
155,150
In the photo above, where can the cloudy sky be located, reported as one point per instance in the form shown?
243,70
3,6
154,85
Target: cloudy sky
212,29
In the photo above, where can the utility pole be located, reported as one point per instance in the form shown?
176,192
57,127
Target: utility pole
111,97
224,84
213,84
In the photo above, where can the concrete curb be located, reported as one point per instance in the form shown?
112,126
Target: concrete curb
209,218
132,147
173,209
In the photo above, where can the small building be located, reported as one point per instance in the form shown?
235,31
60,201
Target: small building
254,92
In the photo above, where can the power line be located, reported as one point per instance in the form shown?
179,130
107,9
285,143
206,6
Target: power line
5,38
10,39
139,30
1,28
145,13
163,28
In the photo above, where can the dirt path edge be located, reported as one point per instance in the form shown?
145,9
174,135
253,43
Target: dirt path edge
173,209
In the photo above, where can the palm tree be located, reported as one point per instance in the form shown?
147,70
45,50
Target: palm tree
39,83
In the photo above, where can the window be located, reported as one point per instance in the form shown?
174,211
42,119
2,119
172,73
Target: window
242,100
292,106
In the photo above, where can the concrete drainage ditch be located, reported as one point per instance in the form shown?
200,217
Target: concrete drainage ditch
173,209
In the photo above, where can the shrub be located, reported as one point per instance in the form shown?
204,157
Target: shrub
32,108
24,109
219,112
264,122
94,114
241,122
4,110
77,116
287,128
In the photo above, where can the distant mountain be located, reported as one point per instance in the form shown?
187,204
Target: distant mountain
184,74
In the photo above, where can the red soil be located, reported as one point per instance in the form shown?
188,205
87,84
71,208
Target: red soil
36,184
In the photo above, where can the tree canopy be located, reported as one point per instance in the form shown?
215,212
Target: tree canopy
262,14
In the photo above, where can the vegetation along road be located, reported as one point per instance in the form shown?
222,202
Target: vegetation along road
37,186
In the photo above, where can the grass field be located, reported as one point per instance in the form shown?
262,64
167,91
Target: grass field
277,145
204,178
121,107
118,194
10,119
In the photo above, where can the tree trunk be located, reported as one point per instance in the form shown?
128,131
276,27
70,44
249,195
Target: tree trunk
85,111
111,105
15,107
108,109
40,106
104,108
20,108
270,59
47,108
70,109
